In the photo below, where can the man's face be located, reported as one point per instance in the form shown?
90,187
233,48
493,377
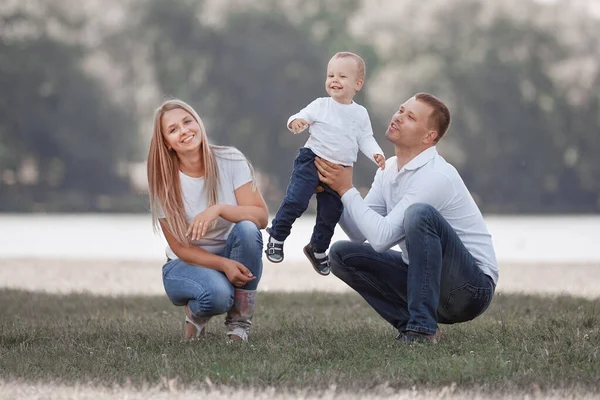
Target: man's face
410,126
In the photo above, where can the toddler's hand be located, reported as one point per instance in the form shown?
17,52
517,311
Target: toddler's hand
298,125
380,160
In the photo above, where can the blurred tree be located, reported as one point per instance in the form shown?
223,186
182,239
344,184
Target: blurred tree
521,78
60,135
246,76
520,143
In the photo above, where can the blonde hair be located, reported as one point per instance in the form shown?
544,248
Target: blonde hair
166,200
360,63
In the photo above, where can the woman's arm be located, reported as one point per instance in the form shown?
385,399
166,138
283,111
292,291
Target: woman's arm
251,207
192,254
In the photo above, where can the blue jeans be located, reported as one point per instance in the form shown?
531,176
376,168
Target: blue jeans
206,291
443,283
303,183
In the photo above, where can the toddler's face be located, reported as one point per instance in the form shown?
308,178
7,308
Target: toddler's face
342,81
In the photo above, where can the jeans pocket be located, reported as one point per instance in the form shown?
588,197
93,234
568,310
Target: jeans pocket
467,302
167,267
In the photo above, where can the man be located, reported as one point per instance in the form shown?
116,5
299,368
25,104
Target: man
447,270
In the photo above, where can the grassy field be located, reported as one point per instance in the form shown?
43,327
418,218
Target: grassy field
299,341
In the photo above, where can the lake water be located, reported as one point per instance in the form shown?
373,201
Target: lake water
525,239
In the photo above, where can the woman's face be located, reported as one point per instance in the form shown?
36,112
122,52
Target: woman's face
181,131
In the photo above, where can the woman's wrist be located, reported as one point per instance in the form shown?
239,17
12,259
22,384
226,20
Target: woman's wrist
220,263
219,209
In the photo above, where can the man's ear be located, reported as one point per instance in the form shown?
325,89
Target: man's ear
431,137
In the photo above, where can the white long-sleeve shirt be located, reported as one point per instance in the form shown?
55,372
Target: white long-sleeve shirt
338,131
429,179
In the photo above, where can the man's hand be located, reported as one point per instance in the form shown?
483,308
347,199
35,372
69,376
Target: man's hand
298,125
380,160
338,177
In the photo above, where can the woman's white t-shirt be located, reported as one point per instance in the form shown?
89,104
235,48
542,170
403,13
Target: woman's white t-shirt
233,173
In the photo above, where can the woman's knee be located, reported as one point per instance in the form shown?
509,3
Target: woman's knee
247,232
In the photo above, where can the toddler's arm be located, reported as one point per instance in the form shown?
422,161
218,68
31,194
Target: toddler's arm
305,117
368,145
298,125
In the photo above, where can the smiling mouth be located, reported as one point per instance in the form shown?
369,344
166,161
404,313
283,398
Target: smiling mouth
188,139
394,126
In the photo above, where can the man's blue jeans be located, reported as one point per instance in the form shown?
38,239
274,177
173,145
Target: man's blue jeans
303,183
206,291
443,282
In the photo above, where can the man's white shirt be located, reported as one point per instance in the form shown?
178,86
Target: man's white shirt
338,131
429,179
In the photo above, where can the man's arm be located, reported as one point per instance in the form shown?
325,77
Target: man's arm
374,200
383,232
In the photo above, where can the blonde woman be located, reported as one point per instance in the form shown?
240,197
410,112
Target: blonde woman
205,201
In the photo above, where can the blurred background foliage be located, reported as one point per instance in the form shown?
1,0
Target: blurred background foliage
80,82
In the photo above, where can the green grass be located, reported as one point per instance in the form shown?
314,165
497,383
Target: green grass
298,341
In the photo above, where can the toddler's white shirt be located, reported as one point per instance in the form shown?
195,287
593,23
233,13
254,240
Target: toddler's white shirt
338,131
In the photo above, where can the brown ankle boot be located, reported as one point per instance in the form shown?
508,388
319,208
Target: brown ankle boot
239,316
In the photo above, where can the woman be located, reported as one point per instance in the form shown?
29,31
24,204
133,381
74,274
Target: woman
205,201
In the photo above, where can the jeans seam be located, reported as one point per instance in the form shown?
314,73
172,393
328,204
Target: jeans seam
426,277
364,278
195,284
357,272
237,241
362,255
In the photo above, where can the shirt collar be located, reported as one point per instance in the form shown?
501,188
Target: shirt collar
423,158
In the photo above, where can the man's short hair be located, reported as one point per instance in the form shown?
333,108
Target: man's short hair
362,69
440,116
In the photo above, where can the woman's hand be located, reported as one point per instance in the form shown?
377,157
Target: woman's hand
203,222
237,274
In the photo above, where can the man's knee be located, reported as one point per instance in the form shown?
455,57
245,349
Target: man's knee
336,255
416,214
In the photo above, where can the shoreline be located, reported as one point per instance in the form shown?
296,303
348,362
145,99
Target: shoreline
118,278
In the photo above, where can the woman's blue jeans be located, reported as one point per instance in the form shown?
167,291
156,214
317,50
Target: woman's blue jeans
206,291
443,282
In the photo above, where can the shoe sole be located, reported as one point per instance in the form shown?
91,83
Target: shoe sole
273,261
313,265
